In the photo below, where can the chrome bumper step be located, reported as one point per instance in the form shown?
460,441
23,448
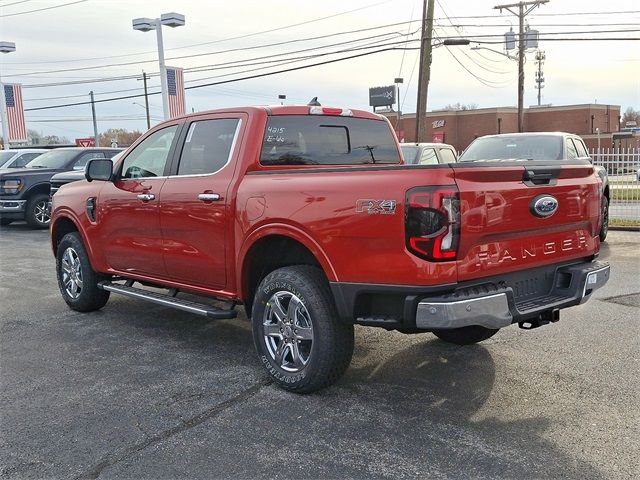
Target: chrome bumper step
169,301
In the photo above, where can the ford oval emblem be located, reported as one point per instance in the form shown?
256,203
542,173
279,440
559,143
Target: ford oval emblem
544,206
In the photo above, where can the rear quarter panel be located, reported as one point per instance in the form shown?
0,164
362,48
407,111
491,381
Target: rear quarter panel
322,204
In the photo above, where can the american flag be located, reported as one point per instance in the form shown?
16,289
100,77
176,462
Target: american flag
175,86
15,113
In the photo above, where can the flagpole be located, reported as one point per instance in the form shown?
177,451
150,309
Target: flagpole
5,117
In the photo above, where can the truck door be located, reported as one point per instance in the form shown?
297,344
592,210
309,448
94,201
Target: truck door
195,206
127,210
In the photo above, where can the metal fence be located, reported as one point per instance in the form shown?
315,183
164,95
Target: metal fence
623,168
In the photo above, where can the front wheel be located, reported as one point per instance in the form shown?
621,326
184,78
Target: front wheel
77,281
38,212
465,335
298,335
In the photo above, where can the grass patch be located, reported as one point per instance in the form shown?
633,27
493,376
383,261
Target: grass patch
625,194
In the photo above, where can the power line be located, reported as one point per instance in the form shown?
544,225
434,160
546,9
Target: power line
217,41
41,9
14,3
266,74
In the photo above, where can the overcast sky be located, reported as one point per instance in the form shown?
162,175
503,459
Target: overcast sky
71,35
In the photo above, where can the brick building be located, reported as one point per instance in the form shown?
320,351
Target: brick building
460,127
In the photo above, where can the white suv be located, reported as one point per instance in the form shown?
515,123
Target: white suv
19,158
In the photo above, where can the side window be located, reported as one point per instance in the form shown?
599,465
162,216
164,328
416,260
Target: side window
207,146
571,150
448,156
582,150
428,157
23,159
84,159
149,158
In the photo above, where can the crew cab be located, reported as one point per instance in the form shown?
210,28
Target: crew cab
307,216
24,192
547,146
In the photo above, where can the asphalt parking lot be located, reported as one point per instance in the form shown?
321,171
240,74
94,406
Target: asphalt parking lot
139,391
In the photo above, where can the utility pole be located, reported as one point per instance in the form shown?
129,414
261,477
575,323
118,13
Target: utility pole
521,13
95,123
425,68
539,75
146,98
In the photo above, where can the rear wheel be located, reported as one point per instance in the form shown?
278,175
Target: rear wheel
465,335
38,214
77,281
298,335
605,219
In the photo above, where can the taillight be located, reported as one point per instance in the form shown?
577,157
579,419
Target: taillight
432,222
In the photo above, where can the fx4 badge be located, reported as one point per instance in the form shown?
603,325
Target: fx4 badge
374,207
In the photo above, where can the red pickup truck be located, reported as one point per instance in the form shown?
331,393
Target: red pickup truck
308,217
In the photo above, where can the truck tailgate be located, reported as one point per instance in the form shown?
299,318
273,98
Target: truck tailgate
501,230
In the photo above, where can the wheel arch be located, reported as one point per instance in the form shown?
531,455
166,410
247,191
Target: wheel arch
60,226
275,248
38,188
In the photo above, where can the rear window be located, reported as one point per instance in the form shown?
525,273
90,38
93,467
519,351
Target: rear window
529,147
325,140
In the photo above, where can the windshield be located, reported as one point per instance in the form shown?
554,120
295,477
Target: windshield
526,147
52,159
409,153
4,156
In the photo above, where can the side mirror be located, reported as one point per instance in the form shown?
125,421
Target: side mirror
98,169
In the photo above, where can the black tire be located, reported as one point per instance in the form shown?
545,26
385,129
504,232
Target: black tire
5,221
38,213
307,347
72,264
605,219
465,335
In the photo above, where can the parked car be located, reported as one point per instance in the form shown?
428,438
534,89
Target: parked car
428,153
24,192
307,216
63,178
18,158
539,146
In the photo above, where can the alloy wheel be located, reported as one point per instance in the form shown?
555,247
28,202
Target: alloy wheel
71,271
288,331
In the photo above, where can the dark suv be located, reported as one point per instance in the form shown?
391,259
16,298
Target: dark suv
24,192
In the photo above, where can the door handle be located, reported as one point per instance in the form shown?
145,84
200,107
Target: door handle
146,197
209,197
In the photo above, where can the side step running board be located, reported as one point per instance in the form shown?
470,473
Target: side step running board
169,301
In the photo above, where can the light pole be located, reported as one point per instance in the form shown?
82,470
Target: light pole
146,24
5,47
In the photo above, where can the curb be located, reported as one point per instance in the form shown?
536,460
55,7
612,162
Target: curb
624,229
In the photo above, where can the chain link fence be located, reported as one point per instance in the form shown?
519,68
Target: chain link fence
623,169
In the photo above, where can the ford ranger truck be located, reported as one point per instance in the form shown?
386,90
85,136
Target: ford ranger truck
308,217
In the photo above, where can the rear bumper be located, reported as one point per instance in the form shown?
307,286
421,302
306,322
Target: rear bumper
494,303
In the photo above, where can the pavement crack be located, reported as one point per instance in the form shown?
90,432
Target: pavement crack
95,471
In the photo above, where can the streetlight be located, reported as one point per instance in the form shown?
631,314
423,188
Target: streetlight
5,47
146,24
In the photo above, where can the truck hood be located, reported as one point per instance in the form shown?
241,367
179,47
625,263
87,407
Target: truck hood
66,177
27,172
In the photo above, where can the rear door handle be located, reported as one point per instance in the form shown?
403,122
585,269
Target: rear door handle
146,197
209,197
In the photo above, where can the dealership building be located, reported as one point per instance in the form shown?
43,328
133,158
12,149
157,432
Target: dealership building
595,123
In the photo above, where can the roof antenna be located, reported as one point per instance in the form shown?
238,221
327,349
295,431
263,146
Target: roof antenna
314,102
